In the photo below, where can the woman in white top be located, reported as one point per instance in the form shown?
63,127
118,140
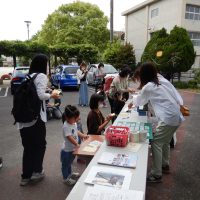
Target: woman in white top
167,111
120,84
82,82
33,134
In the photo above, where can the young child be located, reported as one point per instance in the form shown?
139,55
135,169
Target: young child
118,103
100,91
70,135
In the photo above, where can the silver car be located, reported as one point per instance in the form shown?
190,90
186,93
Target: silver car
108,70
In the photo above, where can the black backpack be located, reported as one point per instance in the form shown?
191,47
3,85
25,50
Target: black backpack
26,103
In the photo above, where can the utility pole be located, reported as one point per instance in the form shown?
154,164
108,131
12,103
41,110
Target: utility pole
111,21
28,24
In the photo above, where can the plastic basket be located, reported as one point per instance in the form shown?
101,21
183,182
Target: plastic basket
117,136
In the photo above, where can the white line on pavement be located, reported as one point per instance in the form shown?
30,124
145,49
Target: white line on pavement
6,92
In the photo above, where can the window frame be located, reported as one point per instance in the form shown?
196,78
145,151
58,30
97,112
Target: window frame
154,12
192,12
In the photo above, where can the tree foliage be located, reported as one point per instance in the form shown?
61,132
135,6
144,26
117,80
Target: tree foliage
86,52
119,55
21,49
177,50
75,23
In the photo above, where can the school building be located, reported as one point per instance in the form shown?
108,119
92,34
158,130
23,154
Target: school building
153,15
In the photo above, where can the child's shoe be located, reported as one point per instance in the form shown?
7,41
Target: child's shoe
69,181
75,175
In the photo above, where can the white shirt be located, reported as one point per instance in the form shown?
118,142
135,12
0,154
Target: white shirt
171,89
80,75
41,86
69,129
164,105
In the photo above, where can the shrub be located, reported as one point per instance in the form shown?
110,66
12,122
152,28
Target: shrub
180,85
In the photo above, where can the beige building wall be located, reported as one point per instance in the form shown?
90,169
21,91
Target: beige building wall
136,33
139,23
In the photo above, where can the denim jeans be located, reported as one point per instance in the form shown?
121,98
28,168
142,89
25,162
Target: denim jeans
66,159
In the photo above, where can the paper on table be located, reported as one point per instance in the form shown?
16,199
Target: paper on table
134,147
95,143
89,149
116,178
120,159
103,193
124,115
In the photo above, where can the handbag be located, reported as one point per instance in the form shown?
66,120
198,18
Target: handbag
184,110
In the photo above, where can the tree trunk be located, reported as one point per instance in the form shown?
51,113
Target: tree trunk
14,61
179,76
56,61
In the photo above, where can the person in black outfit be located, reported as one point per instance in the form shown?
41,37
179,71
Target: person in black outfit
118,104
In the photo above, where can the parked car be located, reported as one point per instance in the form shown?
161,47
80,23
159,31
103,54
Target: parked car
18,77
65,76
109,70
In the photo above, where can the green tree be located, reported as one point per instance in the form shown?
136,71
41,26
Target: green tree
118,54
177,50
126,56
111,52
75,23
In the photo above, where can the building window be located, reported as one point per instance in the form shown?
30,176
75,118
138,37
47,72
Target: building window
192,12
195,38
154,12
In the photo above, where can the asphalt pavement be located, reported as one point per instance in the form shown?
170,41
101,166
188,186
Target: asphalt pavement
182,183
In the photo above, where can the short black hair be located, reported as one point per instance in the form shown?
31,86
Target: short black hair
39,64
117,94
100,65
125,72
70,112
94,100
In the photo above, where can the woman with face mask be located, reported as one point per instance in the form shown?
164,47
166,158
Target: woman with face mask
120,84
96,122
82,82
99,76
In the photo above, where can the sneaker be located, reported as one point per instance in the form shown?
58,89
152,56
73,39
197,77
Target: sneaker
154,179
75,175
69,181
24,181
165,169
36,176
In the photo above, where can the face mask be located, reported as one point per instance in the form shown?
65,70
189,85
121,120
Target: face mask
100,105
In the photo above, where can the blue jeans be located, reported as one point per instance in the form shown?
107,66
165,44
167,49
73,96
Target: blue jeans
66,159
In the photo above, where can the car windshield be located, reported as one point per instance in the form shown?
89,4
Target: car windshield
21,72
70,70
109,69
